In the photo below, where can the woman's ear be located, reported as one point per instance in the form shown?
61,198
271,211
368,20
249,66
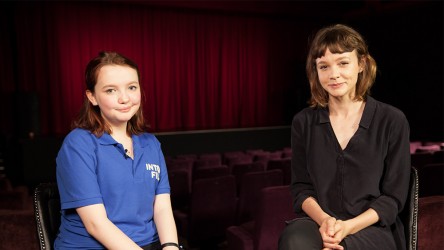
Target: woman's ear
91,97
362,64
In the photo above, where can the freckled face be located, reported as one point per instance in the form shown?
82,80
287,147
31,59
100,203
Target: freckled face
117,93
338,73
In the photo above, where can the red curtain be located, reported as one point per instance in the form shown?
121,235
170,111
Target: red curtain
198,70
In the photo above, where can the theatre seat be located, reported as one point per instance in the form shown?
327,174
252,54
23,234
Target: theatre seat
239,170
284,165
210,172
250,191
180,188
262,233
212,210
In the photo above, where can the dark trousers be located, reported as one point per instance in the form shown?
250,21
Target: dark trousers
152,246
303,234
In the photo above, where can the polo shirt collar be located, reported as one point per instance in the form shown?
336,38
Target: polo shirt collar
142,140
107,139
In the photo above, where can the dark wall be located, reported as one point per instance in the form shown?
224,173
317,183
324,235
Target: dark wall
213,141
407,43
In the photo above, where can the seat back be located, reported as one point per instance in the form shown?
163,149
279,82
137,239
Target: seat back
409,215
275,207
431,177
210,172
179,184
207,161
420,159
233,159
47,214
283,164
250,191
212,209
238,170
182,164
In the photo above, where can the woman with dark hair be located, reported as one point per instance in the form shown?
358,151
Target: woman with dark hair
111,173
350,153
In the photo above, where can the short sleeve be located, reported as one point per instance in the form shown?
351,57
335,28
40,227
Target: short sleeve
76,171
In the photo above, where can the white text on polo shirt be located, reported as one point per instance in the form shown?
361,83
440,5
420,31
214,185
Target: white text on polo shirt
155,170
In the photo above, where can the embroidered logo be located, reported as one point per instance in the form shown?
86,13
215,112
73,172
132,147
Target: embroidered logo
155,170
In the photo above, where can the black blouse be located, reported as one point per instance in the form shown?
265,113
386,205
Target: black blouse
373,171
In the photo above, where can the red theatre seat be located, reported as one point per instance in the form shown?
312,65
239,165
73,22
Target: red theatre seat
275,207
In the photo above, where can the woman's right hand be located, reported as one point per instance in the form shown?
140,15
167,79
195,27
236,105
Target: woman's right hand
328,230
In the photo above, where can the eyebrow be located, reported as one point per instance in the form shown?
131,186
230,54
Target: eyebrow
114,85
337,59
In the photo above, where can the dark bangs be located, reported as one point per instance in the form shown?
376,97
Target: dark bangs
336,41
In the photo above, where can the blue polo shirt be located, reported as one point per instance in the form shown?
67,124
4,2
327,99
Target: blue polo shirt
93,170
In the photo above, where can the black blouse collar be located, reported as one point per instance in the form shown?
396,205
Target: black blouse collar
367,116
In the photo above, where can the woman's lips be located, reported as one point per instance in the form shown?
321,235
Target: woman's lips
335,85
124,110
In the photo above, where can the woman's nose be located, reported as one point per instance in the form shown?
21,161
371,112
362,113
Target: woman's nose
123,97
334,73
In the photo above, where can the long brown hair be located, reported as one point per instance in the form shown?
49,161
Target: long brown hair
89,117
339,38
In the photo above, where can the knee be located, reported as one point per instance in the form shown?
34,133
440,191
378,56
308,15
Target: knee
304,237
288,240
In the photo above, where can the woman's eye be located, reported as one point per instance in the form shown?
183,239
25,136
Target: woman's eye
133,87
343,63
109,91
322,67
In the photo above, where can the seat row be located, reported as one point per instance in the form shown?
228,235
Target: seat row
231,157
182,177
